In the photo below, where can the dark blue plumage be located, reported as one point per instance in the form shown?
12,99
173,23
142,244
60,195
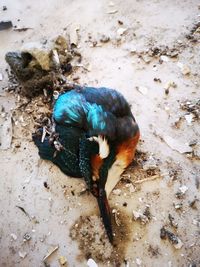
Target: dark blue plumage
99,111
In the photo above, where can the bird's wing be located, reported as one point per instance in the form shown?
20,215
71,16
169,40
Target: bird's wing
67,159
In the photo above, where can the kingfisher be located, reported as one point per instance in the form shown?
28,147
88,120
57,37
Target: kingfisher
96,138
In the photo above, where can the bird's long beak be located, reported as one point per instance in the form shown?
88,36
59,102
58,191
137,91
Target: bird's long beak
105,213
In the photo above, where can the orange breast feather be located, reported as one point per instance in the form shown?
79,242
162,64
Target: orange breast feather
126,150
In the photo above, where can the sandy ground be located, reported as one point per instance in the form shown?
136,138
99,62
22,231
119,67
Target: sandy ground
59,215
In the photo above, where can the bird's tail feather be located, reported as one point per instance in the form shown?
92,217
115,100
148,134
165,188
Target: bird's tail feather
105,213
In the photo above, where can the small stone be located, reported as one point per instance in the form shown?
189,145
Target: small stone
157,80
22,254
170,84
1,76
114,11
131,187
193,203
179,244
175,241
178,206
146,58
62,260
141,217
121,31
138,261
189,118
183,189
185,70
150,164
14,237
26,237
117,192
91,263
166,91
104,39
164,58
155,68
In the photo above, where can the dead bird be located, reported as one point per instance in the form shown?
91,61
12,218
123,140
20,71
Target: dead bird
98,134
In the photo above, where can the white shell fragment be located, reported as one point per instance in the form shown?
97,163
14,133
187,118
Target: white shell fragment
139,216
13,236
117,192
170,84
183,189
179,244
91,263
189,118
185,70
22,254
177,145
121,31
138,261
164,58
1,76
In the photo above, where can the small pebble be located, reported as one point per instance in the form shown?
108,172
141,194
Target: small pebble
14,237
22,254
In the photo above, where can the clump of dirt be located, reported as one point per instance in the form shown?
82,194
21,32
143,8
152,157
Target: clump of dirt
43,66
93,242
192,107
194,34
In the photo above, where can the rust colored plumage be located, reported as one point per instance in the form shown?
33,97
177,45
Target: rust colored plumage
126,150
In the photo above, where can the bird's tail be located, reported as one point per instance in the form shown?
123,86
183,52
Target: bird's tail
105,213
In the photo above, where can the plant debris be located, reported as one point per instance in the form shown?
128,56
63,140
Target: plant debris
142,89
51,251
144,217
172,221
22,29
192,107
181,191
23,210
176,242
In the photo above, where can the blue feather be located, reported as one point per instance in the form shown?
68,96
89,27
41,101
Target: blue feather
96,111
